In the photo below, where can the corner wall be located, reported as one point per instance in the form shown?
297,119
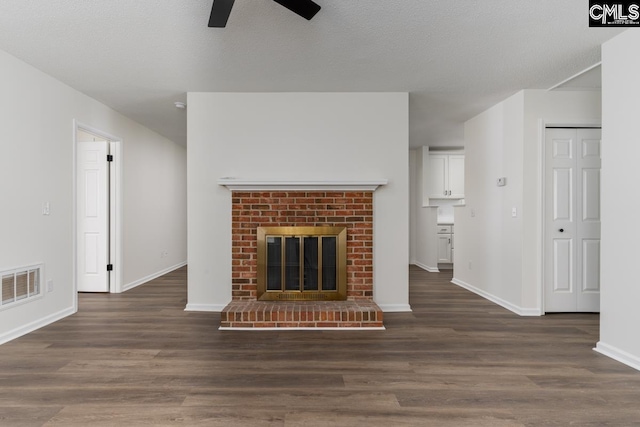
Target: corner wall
37,135
499,256
295,136
620,317
424,218
155,205
488,240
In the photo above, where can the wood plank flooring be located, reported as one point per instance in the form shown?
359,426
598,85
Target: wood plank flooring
457,360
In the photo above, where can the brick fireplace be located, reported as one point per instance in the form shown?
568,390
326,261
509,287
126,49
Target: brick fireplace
349,208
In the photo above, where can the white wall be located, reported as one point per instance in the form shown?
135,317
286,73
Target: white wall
36,152
620,316
295,136
155,205
505,141
484,233
423,227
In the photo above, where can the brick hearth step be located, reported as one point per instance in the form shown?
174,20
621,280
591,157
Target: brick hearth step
301,314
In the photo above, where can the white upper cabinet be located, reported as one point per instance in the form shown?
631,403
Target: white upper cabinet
438,176
446,176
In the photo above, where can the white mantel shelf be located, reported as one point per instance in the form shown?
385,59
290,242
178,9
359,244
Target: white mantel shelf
258,185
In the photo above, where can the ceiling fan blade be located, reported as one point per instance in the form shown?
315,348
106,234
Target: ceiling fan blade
220,12
305,8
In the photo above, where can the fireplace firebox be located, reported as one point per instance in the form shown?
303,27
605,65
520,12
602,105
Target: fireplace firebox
302,263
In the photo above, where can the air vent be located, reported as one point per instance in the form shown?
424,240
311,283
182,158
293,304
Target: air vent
301,297
20,285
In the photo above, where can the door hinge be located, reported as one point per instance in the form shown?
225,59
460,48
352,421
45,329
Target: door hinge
109,267
109,157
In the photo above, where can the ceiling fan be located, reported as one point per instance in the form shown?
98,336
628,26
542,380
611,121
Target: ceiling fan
221,10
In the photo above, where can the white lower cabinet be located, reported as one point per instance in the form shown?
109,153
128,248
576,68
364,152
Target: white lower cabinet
444,248
445,244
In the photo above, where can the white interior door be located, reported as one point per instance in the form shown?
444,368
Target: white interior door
93,216
572,220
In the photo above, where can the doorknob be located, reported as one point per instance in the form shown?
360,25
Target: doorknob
561,230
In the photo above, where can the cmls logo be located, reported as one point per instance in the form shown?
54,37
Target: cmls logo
614,14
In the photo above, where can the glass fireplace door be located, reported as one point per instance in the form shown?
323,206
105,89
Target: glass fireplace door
302,266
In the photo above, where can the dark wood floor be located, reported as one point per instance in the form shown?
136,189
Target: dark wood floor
457,360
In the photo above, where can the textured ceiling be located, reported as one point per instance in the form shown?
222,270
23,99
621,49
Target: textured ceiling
456,58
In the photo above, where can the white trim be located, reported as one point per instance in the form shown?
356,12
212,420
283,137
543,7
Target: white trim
36,324
426,267
326,185
619,355
116,212
74,216
530,312
578,74
424,180
364,328
152,276
541,201
496,300
395,308
216,308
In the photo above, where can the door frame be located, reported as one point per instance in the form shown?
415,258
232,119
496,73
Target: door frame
115,208
542,128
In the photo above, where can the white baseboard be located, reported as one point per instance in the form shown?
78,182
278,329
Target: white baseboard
530,312
150,277
497,300
426,267
395,308
36,324
205,307
619,355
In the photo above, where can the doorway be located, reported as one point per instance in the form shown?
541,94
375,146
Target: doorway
97,214
572,220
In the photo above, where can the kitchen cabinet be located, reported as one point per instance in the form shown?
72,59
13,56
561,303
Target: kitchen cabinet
446,176
445,244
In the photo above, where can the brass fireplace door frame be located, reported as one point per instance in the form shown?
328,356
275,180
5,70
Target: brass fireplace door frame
289,295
